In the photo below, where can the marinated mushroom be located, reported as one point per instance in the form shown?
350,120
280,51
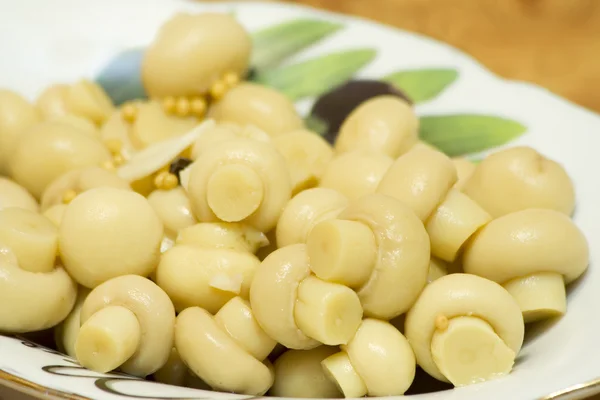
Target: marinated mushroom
51,102
152,124
464,171
298,309
355,174
65,334
227,351
223,235
519,178
218,133
306,154
384,124
173,208
175,372
376,246
304,211
81,123
128,323
89,100
108,232
48,150
191,47
378,361
298,373
533,253
14,195
261,106
205,277
240,180
462,314
16,116
55,214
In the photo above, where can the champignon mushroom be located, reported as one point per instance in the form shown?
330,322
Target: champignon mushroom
176,373
464,171
378,247
240,180
81,123
378,361
205,277
173,208
307,155
223,235
14,195
227,351
89,100
152,124
218,133
355,174
55,214
462,314
298,309
51,102
48,150
127,322
533,253
384,124
298,373
261,106
304,211
107,232
65,334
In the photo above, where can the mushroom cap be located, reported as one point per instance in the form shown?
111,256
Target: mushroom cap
174,209
14,195
527,242
223,235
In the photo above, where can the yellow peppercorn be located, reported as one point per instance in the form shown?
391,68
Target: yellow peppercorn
441,322
198,106
168,104
114,145
182,108
68,196
231,79
218,89
166,181
129,112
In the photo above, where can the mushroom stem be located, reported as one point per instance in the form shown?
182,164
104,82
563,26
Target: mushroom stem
340,370
469,351
328,312
342,251
108,339
234,192
540,296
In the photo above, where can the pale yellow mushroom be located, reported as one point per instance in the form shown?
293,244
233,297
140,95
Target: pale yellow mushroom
205,277
118,133
298,309
378,247
378,361
127,322
152,124
33,301
191,51
89,100
175,372
81,123
67,186
261,106
173,208
240,180
533,253
304,211
48,150
65,334
227,351
465,329
218,133
437,269
55,213
298,373
307,155
519,178
223,235
14,195
16,116
464,171
108,232
356,174
51,102
383,124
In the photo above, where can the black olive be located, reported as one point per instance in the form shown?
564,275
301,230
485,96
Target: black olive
178,165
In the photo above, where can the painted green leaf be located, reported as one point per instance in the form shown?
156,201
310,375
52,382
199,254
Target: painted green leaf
316,76
121,77
458,135
274,44
422,84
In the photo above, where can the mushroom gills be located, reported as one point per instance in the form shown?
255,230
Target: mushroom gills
467,351
540,295
339,369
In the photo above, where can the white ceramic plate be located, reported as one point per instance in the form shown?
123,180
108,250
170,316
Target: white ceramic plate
44,42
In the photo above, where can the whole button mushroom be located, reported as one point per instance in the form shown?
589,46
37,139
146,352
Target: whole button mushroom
88,100
378,361
240,180
462,314
227,351
128,323
533,253
298,373
14,195
261,106
81,123
191,51
304,211
48,150
423,179
384,124
218,133
152,124
356,174
65,334
16,116
519,178
174,209
223,235
108,232
298,309
51,103
376,246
